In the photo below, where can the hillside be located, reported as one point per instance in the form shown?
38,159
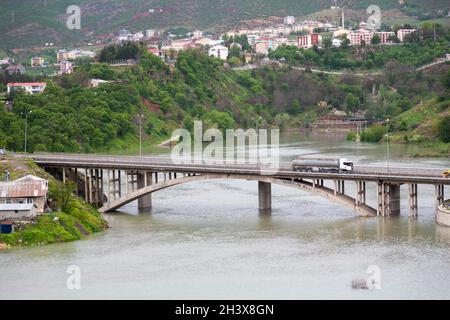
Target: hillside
73,117
34,22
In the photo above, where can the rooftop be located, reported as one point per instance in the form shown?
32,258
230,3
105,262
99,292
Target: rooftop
29,186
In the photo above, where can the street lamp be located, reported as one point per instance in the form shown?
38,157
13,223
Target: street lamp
140,134
26,126
257,122
387,144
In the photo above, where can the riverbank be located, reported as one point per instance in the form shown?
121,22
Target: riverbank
76,221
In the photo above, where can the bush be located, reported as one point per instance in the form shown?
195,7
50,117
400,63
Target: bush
373,134
444,129
352,136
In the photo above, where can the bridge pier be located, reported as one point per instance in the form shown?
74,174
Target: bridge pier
360,193
144,179
439,194
388,199
412,202
265,196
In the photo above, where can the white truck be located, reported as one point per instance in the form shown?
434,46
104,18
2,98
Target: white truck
330,165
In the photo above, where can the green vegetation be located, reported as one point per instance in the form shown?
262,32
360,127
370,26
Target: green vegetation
365,57
374,134
426,124
72,218
71,116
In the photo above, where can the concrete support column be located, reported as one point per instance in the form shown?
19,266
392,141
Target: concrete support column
86,191
144,202
91,173
412,201
394,199
388,199
360,193
108,186
439,195
265,195
119,177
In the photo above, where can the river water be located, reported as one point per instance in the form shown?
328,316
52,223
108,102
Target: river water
207,240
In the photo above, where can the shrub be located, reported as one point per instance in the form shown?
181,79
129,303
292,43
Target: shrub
444,129
373,134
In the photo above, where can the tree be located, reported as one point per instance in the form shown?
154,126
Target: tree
413,37
352,103
345,43
327,42
375,39
444,129
446,80
393,38
234,61
61,193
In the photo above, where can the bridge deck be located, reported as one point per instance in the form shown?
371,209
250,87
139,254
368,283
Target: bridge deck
361,173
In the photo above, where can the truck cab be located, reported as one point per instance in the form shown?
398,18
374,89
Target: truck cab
346,165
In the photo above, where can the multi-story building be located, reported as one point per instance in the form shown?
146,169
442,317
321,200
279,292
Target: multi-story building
401,33
309,40
37,62
219,51
28,87
65,67
64,55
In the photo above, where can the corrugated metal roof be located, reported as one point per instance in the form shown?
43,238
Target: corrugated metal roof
23,189
16,206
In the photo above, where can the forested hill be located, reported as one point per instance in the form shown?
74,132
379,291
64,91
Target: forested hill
71,116
33,22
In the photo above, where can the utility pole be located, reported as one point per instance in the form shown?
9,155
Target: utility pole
140,134
387,145
26,127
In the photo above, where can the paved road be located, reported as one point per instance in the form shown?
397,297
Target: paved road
367,173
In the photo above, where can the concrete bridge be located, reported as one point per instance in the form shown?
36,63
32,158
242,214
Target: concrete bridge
110,182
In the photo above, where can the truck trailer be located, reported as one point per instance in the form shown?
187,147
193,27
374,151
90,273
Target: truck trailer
330,165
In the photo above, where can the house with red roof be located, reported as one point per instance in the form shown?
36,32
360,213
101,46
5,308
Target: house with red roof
28,87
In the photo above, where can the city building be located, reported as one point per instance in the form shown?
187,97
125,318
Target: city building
197,34
401,33
219,51
124,35
65,55
65,67
37,62
27,190
182,44
309,40
27,87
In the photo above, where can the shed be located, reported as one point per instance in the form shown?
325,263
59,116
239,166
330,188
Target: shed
6,227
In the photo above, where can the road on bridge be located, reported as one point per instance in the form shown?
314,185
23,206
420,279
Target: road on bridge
368,173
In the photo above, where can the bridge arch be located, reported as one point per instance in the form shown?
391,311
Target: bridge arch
325,192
